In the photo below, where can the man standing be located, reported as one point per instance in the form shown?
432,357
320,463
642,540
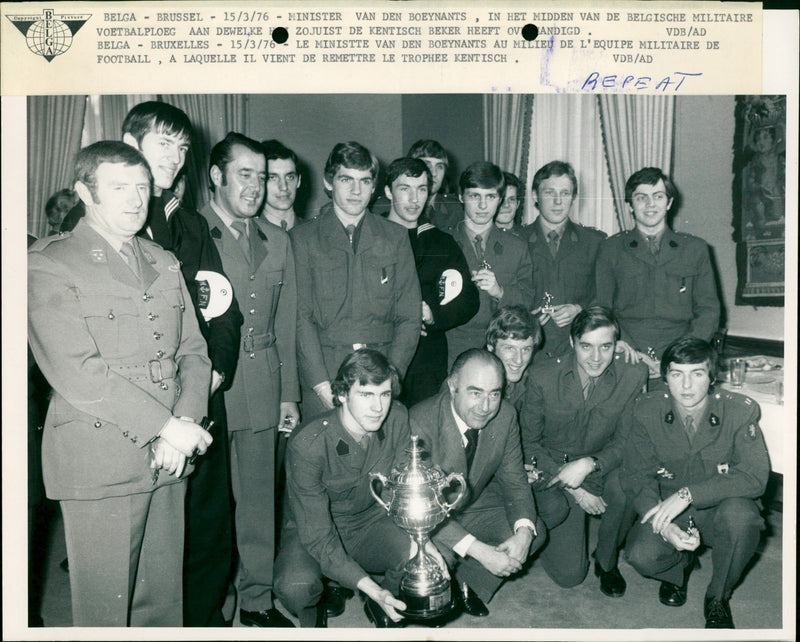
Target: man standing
449,297
356,273
335,526
573,446
508,217
694,455
283,179
513,336
563,255
257,256
109,329
659,283
500,264
468,429
163,133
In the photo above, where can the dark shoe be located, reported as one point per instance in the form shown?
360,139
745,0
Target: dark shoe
718,614
335,599
471,603
322,617
65,565
611,582
264,619
378,616
671,595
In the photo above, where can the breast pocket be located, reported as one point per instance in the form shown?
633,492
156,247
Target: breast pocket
170,314
380,277
340,490
113,322
680,286
329,284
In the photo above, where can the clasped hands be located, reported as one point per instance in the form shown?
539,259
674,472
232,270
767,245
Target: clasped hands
178,440
661,517
506,558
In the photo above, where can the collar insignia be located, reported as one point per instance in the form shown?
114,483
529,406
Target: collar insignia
98,255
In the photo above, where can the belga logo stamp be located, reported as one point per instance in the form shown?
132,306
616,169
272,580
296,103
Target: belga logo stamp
49,35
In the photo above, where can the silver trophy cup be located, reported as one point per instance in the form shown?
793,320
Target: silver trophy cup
417,506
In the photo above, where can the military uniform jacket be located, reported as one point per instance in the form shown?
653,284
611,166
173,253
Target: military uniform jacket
266,372
496,476
187,237
557,422
511,263
569,277
328,480
122,355
369,297
434,252
727,457
658,299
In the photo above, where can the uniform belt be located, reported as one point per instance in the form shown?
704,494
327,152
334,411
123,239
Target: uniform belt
253,342
155,370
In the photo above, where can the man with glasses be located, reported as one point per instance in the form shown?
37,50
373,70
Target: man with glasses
563,255
659,283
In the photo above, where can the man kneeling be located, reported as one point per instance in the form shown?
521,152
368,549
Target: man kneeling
334,525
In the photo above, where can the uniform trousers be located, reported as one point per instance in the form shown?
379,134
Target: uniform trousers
731,529
381,548
565,558
253,481
489,524
208,554
125,557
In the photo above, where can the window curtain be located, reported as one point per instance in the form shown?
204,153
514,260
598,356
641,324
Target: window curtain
637,132
566,127
506,119
212,116
105,115
55,124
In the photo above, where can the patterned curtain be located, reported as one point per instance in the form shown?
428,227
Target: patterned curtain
105,114
212,116
55,124
637,132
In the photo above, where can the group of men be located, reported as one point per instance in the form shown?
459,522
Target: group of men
184,347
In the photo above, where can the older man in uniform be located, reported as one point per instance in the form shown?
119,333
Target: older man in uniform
573,448
563,255
693,454
659,283
469,429
500,263
257,257
356,272
109,328
335,526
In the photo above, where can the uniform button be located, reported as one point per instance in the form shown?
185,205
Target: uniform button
252,277
160,354
157,335
164,385
111,314
252,355
97,424
252,310
146,297
152,316
252,295
250,330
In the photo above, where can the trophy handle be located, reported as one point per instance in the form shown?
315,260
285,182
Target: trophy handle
386,483
462,491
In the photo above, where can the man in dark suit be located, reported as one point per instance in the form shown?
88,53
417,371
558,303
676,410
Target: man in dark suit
659,283
335,526
563,255
163,134
257,257
356,273
469,429
109,328
449,297
499,262
569,423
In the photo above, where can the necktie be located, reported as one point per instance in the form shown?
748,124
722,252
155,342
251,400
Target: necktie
283,225
652,243
552,242
158,224
129,255
479,247
351,233
691,429
243,240
472,444
590,386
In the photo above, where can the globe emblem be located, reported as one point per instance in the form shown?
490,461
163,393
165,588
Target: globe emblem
49,38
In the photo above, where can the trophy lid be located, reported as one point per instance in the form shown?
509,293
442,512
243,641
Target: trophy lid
416,471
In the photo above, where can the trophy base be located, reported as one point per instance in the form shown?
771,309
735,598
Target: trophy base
424,608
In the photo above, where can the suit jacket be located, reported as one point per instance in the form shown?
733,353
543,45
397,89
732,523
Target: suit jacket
726,458
369,297
658,299
556,421
496,477
569,277
186,235
328,481
266,373
122,355
509,258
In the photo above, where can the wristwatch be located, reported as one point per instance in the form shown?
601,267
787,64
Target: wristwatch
685,495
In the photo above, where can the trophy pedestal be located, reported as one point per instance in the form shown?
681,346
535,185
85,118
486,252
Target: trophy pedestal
438,602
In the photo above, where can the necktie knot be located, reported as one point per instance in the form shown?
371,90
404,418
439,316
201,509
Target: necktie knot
552,242
129,254
589,388
478,250
652,243
691,429
242,227
351,232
